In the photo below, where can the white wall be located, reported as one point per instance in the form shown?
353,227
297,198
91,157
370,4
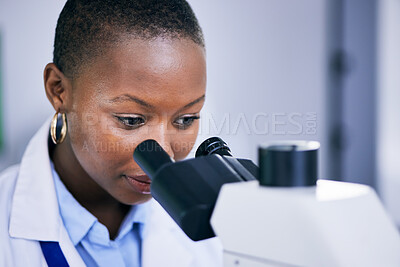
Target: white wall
266,65
27,29
388,131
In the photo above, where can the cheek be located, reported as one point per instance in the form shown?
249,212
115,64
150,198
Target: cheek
100,151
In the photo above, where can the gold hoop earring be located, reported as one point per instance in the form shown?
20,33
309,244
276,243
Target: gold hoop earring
53,129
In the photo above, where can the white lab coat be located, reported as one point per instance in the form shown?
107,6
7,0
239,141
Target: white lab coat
29,213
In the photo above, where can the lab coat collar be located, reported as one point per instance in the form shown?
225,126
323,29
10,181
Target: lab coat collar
35,212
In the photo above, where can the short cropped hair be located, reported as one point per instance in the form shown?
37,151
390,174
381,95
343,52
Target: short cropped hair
86,28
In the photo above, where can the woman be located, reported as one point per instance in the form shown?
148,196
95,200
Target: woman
123,71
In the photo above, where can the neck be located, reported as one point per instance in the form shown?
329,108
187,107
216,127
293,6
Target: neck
86,191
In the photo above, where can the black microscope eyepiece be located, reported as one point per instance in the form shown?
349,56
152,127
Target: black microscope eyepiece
213,145
151,156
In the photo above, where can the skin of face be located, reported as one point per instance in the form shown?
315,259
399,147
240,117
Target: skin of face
137,90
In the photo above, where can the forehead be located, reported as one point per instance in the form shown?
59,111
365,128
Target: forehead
151,68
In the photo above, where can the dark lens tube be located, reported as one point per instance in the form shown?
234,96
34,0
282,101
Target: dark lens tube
151,156
289,164
213,145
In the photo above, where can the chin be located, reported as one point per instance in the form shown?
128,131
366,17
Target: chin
137,201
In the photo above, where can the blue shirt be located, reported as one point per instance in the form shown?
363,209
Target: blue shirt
91,238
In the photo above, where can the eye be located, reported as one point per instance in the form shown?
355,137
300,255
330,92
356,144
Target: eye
185,121
132,122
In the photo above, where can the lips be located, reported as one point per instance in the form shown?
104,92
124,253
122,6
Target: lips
140,183
140,178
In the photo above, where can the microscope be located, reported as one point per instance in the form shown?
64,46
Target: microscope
274,214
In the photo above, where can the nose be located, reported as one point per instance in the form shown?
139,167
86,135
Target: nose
163,138
167,147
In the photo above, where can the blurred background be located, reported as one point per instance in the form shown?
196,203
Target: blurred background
325,70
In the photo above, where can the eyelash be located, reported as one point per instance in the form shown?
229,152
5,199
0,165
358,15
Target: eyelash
132,123
184,125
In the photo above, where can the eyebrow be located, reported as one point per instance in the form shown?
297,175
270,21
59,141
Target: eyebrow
127,97
201,98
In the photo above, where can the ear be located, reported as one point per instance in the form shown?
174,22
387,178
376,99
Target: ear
58,87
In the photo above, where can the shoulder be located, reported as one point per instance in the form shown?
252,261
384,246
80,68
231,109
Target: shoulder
8,179
9,172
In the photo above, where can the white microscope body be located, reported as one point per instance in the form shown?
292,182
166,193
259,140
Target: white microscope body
330,224
274,214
